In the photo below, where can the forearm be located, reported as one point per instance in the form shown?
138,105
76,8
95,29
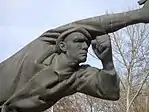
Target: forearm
109,75
109,67
109,23
108,78
109,85
97,83
112,22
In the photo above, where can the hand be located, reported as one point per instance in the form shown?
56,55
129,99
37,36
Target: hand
102,47
103,50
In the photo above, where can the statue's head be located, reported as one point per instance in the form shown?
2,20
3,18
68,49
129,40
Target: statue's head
74,43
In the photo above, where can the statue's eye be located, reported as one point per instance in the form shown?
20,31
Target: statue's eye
79,40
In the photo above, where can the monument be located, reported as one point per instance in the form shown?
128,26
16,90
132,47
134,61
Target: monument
48,68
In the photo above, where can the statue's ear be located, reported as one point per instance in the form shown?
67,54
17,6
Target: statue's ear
63,46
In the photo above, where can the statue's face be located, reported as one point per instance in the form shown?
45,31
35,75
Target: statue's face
76,47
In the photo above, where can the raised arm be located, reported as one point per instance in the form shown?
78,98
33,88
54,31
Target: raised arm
100,83
103,50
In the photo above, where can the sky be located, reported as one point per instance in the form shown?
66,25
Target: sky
21,21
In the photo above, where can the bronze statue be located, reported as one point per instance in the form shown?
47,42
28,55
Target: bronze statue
47,69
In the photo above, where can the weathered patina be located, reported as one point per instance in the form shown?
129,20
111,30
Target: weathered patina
48,68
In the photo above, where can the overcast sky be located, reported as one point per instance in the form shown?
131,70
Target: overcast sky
21,21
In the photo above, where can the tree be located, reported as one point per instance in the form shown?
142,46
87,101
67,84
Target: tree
131,50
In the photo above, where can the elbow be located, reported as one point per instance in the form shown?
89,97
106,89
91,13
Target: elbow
114,96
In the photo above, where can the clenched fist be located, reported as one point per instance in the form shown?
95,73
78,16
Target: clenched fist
103,50
102,47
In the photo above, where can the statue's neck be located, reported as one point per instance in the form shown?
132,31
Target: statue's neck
63,65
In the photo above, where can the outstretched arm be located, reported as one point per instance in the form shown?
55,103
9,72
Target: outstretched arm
111,22
114,22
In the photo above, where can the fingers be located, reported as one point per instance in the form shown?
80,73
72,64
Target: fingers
102,46
103,38
103,42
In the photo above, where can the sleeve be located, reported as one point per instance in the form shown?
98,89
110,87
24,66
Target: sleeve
31,97
97,83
